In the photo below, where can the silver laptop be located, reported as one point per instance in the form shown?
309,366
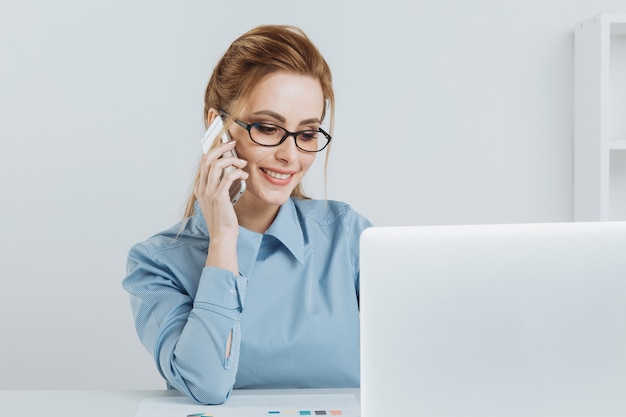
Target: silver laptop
494,320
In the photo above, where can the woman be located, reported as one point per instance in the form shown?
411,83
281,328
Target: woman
263,293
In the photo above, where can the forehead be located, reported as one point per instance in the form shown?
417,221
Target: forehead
293,96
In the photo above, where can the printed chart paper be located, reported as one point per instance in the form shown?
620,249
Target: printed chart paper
345,405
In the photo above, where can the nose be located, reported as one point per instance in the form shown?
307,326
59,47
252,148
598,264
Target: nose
287,151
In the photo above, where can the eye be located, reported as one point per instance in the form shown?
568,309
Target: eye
265,129
308,135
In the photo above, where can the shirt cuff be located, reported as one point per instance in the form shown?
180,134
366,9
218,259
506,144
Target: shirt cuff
221,288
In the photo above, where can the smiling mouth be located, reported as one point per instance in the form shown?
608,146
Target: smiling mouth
276,175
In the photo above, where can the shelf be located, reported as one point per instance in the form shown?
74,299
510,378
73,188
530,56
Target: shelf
600,119
617,145
617,87
618,26
617,186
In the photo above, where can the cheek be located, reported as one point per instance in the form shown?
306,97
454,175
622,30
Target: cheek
307,160
239,135
245,152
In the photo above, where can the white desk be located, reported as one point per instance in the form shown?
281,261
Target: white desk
106,403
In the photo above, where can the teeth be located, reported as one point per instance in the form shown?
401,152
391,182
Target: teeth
276,174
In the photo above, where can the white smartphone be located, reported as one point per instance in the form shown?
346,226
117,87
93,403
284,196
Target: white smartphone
217,127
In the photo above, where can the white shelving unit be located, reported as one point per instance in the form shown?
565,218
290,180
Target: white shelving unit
600,118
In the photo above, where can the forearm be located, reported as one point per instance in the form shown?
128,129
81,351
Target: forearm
196,353
188,330
192,355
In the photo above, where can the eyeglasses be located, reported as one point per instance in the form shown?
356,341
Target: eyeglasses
268,134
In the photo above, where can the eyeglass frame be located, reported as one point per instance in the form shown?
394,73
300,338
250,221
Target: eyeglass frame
249,126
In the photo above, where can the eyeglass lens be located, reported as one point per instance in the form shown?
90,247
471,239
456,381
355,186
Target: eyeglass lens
268,134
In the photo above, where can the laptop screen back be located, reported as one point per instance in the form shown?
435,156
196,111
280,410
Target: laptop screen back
494,320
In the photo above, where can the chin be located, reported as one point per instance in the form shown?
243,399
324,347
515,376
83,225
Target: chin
266,198
277,200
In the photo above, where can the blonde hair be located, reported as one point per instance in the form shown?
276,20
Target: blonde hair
253,56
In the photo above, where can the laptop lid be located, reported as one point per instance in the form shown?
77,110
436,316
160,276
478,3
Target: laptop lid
494,320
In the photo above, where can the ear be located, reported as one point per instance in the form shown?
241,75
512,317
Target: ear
211,115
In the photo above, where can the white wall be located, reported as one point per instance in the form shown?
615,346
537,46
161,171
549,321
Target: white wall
448,112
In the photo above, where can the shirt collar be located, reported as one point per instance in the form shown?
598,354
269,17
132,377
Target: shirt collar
288,230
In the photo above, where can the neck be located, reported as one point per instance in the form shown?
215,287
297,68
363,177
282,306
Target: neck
256,218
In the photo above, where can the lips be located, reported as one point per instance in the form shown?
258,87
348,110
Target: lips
277,175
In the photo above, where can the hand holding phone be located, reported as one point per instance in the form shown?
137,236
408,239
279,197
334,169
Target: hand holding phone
217,127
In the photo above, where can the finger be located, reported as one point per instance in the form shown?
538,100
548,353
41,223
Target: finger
220,150
231,175
229,178
219,167
212,173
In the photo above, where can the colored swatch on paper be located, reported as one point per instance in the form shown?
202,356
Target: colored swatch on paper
243,405
307,412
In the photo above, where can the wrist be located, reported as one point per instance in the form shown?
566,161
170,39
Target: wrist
223,254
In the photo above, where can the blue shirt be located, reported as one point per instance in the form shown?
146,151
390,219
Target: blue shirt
293,309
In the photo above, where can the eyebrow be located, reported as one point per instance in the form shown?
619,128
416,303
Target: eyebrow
282,118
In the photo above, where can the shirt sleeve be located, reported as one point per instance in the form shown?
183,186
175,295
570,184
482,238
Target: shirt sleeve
356,225
187,334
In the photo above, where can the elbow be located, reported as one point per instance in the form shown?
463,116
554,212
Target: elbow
205,388
210,397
